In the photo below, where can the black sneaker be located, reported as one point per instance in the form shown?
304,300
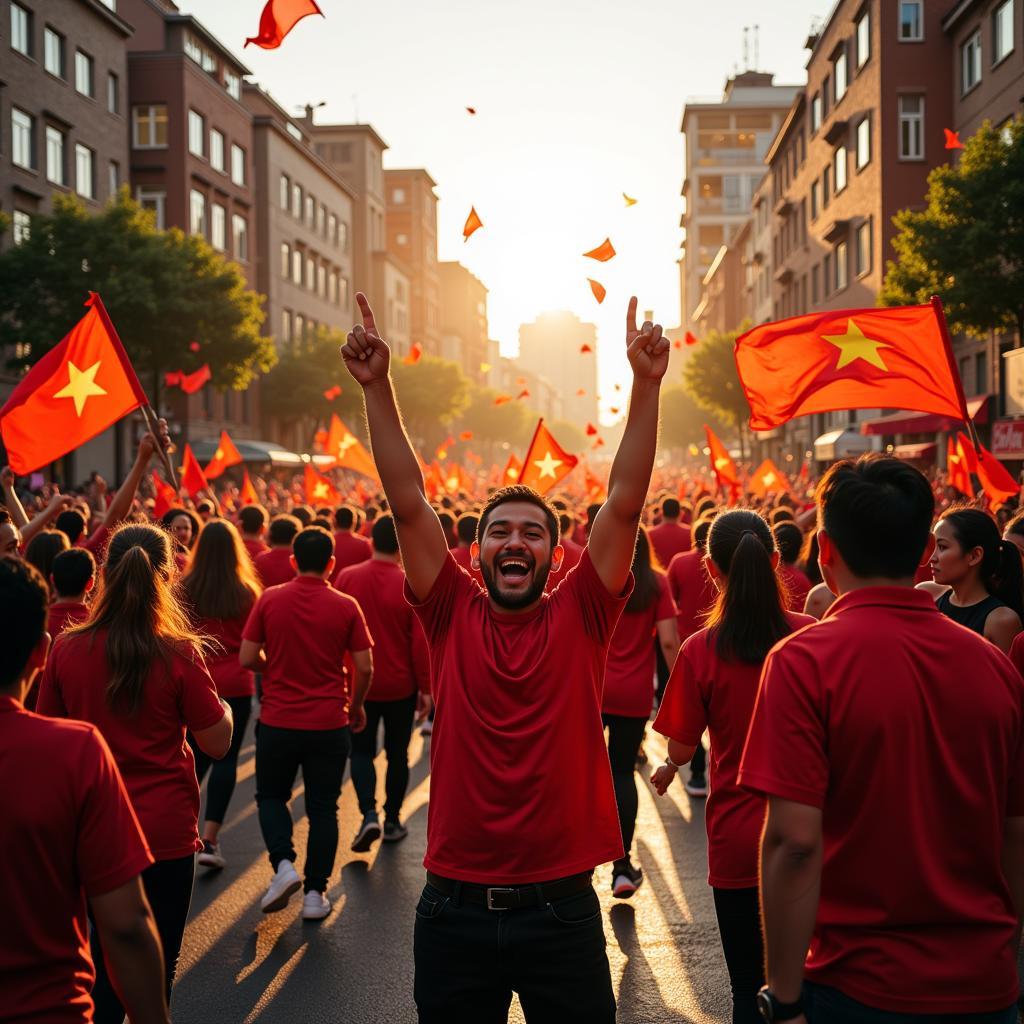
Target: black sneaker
211,855
696,785
394,831
368,834
626,879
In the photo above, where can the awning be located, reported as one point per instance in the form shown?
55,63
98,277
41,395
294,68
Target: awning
838,444
926,422
924,452
260,452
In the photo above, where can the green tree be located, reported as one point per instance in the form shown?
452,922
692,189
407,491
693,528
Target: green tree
967,245
163,289
682,420
495,424
711,379
569,436
432,393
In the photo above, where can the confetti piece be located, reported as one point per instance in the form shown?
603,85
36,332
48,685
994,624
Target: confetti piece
598,289
591,430
691,338
502,399
614,410
677,343
415,353
580,392
320,437
618,387
585,348
520,381
332,393
485,367
523,394
629,200
473,223
604,252
466,435
194,346
953,139
471,110
598,443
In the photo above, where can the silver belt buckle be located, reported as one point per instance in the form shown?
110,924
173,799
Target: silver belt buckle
490,897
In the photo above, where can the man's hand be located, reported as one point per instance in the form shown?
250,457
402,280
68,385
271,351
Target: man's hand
366,355
662,778
424,705
7,478
59,502
148,444
357,718
647,349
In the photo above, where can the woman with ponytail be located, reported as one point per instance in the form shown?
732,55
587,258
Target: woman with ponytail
713,686
219,590
135,670
978,576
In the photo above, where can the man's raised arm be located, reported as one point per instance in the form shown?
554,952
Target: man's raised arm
420,535
613,535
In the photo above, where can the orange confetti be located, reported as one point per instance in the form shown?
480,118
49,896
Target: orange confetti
598,289
466,435
580,392
471,110
953,139
677,343
585,348
614,410
502,399
629,200
603,253
523,394
414,355
520,381
473,223
591,430
598,443
332,393
691,338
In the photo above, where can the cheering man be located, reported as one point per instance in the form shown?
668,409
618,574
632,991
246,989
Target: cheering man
522,807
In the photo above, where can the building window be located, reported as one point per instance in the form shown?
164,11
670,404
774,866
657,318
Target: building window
113,93
21,30
839,74
401,239
332,228
332,287
286,260
839,166
398,195
113,177
240,237
285,192
297,201
815,284
196,133
863,143
197,213
321,280
193,50
310,210
149,127
826,94
286,325
237,164
842,266
343,235
1002,31
85,162
83,73
863,33
218,227
911,21
53,52
21,224
23,150
154,200
970,63
296,267
826,275
815,198
55,155
233,84
310,273
981,372
826,187
217,150
863,248
343,291
911,114
321,219
816,112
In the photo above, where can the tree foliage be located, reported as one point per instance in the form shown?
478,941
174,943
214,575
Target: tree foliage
569,436
682,420
711,379
496,424
431,393
967,245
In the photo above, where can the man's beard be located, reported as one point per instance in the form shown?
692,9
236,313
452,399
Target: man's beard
513,602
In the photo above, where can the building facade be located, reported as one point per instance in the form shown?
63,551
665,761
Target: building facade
391,298
464,316
550,347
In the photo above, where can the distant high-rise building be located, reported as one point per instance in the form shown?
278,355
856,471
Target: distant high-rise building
464,317
551,347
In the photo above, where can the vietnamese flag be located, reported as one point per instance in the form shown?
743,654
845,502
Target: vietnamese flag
247,494
596,490
956,467
896,358
348,451
279,17
767,479
966,450
721,463
165,497
996,480
80,387
193,479
547,463
225,455
319,490
512,470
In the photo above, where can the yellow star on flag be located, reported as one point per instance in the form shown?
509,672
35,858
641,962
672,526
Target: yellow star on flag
218,454
768,479
344,444
721,463
321,490
854,344
81,386
547,465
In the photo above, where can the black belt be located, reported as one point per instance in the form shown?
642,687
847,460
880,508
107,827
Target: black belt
516,897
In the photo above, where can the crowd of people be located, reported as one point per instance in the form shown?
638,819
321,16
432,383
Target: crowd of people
852,653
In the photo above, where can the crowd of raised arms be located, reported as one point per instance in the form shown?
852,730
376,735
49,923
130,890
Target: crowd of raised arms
851,651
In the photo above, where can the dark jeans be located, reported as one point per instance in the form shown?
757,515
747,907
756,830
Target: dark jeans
321,754
739,922
826,1005
397,716
624,738
168,885
222,772
469,961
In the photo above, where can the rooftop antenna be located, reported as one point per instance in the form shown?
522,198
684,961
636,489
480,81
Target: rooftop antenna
757,47
746,48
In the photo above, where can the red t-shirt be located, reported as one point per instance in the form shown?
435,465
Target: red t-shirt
571,558
96,543
228,675
668,540
520,786
629,677
464,561
306,628
705,692
797,585
1017,652
692,590
149,746
70,833
255,546
274,567
350,549
63,614
905,729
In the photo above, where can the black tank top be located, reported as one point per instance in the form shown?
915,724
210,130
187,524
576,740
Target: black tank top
972,616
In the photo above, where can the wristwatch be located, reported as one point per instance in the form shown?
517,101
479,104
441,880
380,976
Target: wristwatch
771,1009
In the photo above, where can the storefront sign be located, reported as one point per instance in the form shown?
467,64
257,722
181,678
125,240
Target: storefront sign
1008,439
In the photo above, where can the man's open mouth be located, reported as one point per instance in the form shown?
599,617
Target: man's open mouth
513,568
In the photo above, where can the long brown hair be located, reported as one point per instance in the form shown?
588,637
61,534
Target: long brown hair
137,608
220,582
646,570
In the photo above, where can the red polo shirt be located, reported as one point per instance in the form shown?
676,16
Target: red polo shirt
668,540
905,729
797,585
63,614
255,546
350,549
228,675
520,787
705,692
149,745
274,566
71,834
692,590
306,628
400,663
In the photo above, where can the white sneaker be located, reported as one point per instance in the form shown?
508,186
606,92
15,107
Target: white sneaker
211,856
285,882
315,906
427,728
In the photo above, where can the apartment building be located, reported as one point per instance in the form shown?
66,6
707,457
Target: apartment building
550,348
464,331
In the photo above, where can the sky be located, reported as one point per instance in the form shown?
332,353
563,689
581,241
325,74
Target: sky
577,102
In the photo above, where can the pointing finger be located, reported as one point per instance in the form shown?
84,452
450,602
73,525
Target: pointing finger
364,307
631,315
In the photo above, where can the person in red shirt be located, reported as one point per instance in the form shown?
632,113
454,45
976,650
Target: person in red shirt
465,531
74,842
135,670
219,590
670,537
401,683
790,541
183,528
43,548
874,907
522,806
252,522
72,578
648,618
713,686
298,635
275,566
350,548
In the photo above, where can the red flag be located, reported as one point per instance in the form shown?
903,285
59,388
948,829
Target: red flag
596,490
193,480
953,139
721,462
956,467
691,338
547,463
966,450
512,470
279,17
247,494
995,479
192,382
225,455
165,497
768,479
896,358
319,490
473,223
172,378
805,472
347,450
77,390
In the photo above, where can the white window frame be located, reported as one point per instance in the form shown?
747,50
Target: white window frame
296,200
286,261
863,267
919,6
85,74
910,118
23,133
151,120
240,237
113,93
970,62
55,155
217,141
21,226
297,266
85,168
310,280
842,265
285,192
113,177
840,75
197,213
21,29
286,325
219,227
155,199
196,133
238,158
863,150
840,160
52,38
817,109
862,36
233,84
1003,42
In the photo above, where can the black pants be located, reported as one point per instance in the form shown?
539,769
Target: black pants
699,761
223,772
739,922
168,885
624,738
397,716
469,961
826,1005
321,754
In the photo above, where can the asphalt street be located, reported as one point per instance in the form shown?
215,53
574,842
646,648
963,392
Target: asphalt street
355,967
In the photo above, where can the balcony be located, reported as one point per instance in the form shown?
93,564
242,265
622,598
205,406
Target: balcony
836,230
836,132
782,207
783,275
